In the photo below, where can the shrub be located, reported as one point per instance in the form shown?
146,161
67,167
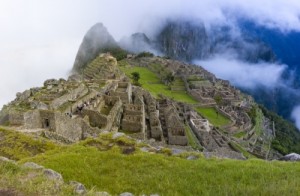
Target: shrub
145,54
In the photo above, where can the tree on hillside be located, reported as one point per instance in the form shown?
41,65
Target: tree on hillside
169,78
218,100
135,77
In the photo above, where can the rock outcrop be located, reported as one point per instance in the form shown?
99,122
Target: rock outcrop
291,157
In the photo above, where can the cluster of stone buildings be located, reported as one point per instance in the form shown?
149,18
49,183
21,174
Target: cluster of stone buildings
102,99
83,106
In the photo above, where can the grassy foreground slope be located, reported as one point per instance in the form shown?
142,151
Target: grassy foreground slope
100,164
16,180
14,145
118,165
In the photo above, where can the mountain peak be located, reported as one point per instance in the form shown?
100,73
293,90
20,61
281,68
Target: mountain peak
95,40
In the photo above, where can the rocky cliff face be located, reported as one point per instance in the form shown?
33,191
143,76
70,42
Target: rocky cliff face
183,40
188,41
96,40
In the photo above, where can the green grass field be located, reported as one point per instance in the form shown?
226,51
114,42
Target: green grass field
16,146
145,173
101,165
214,118
16,180
151,82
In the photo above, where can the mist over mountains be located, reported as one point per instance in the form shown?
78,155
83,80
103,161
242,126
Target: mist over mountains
244,36
252,57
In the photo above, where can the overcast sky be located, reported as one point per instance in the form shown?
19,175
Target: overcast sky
39,38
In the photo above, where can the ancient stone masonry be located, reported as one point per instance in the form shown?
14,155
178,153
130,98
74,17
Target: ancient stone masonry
71,96
104,115
72,128
124,91
133,118
174,127
238,116
210,138
15,117
151,113
103,67
100,98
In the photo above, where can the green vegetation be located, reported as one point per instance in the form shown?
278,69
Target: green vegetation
194,78
151,82
258,122
116,166
256,116
168,78
14,145
136,77
110,170
213,117
15,180
145,54
287,136
65,106
22,107
218,99
193,141
178,85
240,134
117,52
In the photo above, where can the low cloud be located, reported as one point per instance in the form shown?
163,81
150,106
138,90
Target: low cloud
32,31
29,66
243,74
296,116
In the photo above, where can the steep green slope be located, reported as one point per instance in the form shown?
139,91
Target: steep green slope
287,136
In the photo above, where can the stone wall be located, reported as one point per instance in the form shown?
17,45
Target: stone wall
96,119
175,128
131,109
124,91
73,95
177,140
73,129
80,102
16,117
155,126
133,118
115,116
32,120
197,95
132,123
199,125
69,128
48,119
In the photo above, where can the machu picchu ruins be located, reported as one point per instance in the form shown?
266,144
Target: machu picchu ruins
102,98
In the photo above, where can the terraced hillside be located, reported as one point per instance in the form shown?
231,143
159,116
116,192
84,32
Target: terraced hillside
177,117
